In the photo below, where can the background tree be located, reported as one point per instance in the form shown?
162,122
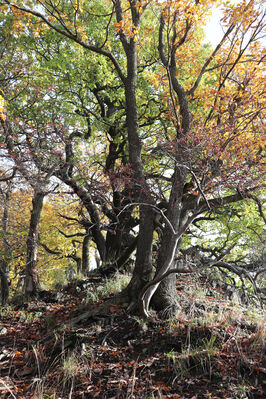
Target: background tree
15,214
6,247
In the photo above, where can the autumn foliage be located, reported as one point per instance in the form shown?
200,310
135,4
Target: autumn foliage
131,146
125,107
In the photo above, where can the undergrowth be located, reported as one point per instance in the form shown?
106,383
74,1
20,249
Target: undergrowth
214,348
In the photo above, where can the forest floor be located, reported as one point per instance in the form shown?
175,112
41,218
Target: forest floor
215,348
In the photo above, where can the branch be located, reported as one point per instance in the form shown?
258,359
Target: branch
218,202
210,59
72,219
200,189
9,177
8,132
50,251
161,45
119,18
154,207
67,33
202,218
258,273
258,202
157,281
53,252
70,235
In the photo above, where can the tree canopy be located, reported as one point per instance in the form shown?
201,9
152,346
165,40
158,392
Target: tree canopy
124,105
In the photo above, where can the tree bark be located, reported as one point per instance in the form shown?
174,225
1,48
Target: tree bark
31,282
165,297
85,264
165,292
142,272
143,266
4,267
4,278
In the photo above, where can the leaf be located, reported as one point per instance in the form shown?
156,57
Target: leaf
2,108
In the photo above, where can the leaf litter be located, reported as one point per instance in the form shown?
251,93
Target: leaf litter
116,355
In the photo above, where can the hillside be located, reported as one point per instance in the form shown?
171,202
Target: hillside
214,349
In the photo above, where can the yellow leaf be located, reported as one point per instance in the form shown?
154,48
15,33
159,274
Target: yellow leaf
2,108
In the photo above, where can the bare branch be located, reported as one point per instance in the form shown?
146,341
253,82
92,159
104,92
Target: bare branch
70,235
210,59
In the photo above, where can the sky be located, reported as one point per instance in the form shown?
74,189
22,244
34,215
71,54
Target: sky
213,29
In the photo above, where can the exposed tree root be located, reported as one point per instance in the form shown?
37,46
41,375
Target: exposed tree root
102,310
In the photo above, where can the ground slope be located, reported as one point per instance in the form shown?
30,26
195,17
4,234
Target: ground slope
214,349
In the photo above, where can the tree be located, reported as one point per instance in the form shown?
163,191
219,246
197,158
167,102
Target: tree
5,255
191,118
14,205
39,181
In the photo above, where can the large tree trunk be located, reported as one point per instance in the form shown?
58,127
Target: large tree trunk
143,267
165,291
165,297
4,267
31,283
